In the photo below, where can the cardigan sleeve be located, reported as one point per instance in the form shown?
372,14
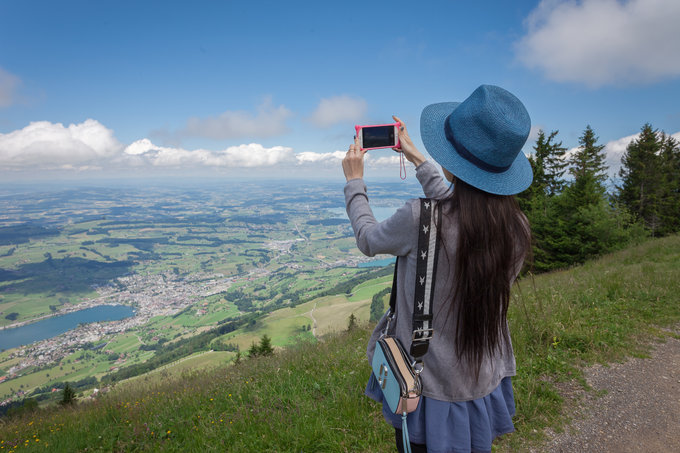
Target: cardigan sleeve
432,181
394,235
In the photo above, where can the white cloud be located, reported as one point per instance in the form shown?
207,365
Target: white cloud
308,157
8,86
614,150
383,161
46,145
335,158
601,42
269,121
338,109
91,147
533,133
242,156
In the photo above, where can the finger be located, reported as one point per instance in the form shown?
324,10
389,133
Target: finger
402,127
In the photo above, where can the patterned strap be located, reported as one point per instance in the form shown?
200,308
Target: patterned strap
426,270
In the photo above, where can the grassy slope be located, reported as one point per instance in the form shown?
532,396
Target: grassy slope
309,398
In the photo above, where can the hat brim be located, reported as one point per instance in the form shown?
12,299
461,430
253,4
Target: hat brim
514,180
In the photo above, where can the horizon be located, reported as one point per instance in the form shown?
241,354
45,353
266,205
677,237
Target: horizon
235,90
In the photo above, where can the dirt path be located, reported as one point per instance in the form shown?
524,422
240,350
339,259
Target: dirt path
640,411
311,315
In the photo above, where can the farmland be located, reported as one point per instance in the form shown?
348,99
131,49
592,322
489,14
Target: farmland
211,267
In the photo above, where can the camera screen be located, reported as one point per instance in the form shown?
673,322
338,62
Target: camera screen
378,136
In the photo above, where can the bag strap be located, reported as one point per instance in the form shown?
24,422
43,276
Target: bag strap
426,270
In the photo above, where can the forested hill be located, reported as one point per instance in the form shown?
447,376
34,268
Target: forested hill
310,397
577,212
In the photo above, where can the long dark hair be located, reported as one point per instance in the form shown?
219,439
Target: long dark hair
493,240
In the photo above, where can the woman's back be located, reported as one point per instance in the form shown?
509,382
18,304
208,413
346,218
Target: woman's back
467,397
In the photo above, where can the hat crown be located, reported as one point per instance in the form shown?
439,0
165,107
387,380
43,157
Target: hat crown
489,128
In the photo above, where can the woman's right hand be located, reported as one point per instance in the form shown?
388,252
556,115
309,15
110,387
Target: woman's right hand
406,145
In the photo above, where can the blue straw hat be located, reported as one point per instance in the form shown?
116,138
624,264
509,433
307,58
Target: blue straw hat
480,140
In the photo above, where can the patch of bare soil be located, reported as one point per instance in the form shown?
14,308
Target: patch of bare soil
634,406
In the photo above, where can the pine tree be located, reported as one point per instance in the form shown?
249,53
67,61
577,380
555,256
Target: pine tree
582,222
550,164
352,323
670,186
265,347
588,161
68,395
640,173
254,350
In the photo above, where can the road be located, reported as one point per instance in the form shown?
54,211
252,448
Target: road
640,411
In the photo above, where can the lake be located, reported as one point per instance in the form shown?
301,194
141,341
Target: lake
378,263
56,325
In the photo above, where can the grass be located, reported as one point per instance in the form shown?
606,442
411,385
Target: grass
603,311
310,397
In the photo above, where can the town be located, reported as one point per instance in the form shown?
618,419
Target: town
182,275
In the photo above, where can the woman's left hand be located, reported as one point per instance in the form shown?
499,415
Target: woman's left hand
353,163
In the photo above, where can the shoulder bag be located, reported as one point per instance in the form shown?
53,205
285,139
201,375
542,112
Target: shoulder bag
397,373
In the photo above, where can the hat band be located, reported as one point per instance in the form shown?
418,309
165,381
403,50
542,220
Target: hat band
467,155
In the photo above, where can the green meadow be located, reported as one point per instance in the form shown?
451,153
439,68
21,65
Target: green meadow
309,396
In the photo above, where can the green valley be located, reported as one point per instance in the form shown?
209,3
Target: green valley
208,269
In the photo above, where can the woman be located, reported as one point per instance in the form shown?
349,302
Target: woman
467,397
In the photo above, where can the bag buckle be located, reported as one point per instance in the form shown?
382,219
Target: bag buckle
420,345
418,366
420,334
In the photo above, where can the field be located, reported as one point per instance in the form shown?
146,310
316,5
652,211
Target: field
310,397
188,259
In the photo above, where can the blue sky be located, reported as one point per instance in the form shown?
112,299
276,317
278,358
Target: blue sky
273,89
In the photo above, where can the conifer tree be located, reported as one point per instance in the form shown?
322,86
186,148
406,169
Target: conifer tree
549,163
589,159
265,347
68,395
254,350
539,203
641,181
670,191
586,224
352,323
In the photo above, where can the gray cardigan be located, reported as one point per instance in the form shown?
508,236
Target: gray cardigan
444,377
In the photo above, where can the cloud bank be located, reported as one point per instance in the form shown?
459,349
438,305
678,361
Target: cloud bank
603,42
90,146
46,145
242,156
9,83
335,158
338,109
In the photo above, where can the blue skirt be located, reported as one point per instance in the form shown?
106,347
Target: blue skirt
465,426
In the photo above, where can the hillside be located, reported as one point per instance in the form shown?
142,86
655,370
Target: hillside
309,397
